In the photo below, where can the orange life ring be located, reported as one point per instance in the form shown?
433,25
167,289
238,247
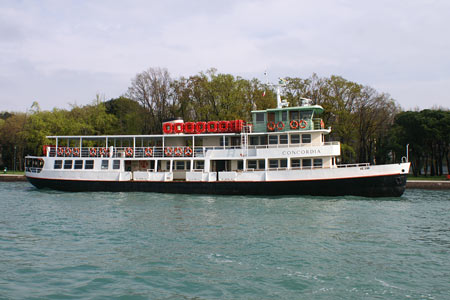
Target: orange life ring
280,125
168,151
76,152
92,152
60,151
271,126
302,124
188,151
103,151
129,152
68,151
178,151
148,151
294,124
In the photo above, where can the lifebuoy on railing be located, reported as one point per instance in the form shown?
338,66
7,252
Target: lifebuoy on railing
178,151
188,151
294,124
168,151
129,152
76,152
92,152
302,124
68,151
280,125
148,151
103,151
271,126
60,151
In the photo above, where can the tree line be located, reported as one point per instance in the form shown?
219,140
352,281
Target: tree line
370,125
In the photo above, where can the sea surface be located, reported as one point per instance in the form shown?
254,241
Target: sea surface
58,245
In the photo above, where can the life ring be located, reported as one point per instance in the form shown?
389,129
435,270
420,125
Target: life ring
294,124
271,126
68,151
188,151
280,125
178,151
103,151
60,151
76,152
92,152
129,152
302,124
168,151
148,151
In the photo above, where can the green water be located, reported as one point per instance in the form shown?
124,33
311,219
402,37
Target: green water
56,245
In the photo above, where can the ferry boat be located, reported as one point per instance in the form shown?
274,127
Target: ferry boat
281,152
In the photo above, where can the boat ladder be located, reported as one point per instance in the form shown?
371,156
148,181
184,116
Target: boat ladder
244,139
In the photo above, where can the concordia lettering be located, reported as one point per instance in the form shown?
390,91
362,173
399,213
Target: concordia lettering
301,152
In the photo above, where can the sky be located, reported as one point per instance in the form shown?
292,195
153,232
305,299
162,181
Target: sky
62,53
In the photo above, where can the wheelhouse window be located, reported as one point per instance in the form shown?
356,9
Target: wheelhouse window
88,164
306,138
105,164
68,164
294,115
295,163
116,164
78,164
58,164
284,139
318,163
273,139
295,138
260,117
284,116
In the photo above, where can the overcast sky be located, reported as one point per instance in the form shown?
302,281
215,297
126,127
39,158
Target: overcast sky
65,52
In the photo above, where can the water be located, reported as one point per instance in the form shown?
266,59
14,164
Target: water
56,245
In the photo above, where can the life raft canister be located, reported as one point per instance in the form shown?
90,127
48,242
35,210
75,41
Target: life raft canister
212,126
178,127
223,126
200,127
168,128
189,127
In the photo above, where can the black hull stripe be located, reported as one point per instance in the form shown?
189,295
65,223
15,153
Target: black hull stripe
374,186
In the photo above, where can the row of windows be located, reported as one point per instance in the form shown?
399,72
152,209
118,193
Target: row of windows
280,139
88,164
296,163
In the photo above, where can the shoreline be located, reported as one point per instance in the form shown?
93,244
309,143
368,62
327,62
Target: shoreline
410,184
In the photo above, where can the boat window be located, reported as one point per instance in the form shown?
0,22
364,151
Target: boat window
283,163
284,116
58,164
306,163
306,115
273,139
105,164
260,117
179,165
306,138
317,163
89,164
199,164
261,164
295,163
78,164
254,140
240,165
116,164
294,115
273,163
68,164
271,117
251,164
295,138
226,141
283,139
263,140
